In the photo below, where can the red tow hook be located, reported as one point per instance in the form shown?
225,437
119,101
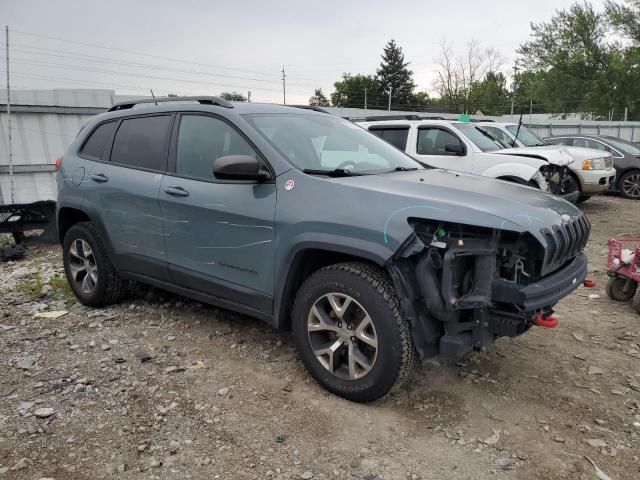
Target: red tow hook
549,322
588,283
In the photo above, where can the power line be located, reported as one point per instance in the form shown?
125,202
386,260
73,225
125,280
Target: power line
149,55
97,59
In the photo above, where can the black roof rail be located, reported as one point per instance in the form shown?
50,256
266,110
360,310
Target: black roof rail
219,101
310,107
482,120
383,118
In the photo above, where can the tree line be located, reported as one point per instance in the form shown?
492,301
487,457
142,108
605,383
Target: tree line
582,61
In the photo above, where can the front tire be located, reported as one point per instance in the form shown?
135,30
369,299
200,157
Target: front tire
620,289
89,271
351,333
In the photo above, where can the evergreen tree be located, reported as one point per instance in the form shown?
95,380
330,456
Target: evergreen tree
393,74
319,99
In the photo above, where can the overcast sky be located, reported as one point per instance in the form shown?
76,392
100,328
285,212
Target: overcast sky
249,40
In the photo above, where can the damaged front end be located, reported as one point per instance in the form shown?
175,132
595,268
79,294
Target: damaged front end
560,182
462,286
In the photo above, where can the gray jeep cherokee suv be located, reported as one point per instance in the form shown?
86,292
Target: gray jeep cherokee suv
311,223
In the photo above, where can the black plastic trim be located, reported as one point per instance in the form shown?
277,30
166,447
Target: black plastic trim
545,292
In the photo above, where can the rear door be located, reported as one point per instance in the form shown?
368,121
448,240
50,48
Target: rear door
123,192
219,233
433,143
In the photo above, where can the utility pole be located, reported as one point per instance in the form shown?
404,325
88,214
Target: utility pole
365,99
513,93
249,96
530,112
11,179
284,87
626,111
390,90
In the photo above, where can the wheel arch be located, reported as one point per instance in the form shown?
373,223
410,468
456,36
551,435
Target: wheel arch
301,263
68,217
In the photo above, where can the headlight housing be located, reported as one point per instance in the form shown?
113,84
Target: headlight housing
594,164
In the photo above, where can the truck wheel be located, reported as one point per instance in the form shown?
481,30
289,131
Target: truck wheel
89,270
621,289
629,185
351,333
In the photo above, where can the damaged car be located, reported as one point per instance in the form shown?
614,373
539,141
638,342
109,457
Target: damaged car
314,225
470,148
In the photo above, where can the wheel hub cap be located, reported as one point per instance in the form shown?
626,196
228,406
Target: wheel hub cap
631,185
342,336
83,267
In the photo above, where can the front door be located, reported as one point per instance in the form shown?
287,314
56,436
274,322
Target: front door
219,234
441,148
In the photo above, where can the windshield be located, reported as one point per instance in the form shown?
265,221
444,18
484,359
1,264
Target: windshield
323,142
526,136
481,139
626,147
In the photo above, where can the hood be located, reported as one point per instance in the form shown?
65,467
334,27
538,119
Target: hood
457,197
555,154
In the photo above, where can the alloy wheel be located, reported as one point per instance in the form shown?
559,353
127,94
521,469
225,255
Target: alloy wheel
631,185
82,263
342,336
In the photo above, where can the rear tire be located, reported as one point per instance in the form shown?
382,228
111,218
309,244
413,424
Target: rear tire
327,318
621,289
89,271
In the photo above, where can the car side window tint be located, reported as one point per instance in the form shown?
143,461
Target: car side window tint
588,143
560,141
395,136
142,142
94,146
202,139
433,141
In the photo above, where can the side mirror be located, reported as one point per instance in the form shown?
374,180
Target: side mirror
455,148
239,167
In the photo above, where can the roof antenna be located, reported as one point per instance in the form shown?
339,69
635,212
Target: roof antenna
513,143
153,96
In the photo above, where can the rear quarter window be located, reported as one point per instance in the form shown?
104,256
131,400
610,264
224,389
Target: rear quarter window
396,136
142,142
94,146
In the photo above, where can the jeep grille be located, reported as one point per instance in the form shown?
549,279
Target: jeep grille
564,242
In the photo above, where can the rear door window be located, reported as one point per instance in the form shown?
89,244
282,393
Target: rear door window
94,146
396,136
142,142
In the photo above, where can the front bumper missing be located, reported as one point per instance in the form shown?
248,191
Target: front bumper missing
545,292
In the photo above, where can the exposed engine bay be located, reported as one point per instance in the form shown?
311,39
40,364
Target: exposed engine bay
472,284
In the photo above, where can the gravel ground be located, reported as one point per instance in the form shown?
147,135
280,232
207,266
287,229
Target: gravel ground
161,387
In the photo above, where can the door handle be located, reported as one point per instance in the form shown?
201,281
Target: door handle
177,191
99,177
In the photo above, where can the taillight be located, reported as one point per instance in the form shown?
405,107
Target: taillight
58,163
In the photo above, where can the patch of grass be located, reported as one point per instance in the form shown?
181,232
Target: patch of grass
61,290
33,287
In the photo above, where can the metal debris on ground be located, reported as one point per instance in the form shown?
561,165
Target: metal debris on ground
51,314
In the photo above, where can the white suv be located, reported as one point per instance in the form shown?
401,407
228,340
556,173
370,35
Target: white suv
466,148
593,170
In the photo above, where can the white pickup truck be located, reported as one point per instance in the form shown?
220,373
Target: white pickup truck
464,147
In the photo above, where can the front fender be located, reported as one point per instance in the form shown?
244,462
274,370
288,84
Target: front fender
520,170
